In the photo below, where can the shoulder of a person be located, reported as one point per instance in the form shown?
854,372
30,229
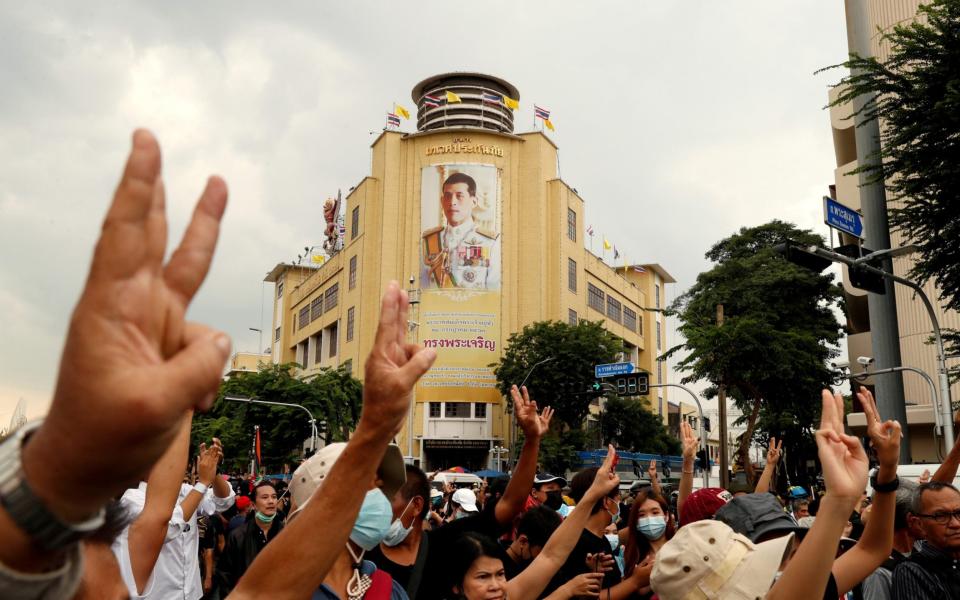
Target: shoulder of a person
910,570
487,233
432,230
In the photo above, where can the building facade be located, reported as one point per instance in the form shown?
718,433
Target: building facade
475,222
914,322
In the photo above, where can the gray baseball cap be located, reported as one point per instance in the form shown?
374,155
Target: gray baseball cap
756,516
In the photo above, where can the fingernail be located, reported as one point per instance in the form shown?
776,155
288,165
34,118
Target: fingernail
223,345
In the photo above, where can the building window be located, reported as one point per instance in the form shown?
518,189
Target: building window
595,297
334,338
304,354
640,324
629,319
318,349
330,297
479,410
572,224
316,308
280,289
304,316
659,346
434,410
350,323
613,309
276,335
355,222
659,371
572,317
656,292
456,410
572,275
353,272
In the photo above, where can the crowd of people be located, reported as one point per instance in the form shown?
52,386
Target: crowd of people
95,503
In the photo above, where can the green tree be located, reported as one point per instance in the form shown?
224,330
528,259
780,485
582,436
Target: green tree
573,351
629,425
779,332
916,93
333,396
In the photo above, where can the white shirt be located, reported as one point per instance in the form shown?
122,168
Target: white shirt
177,572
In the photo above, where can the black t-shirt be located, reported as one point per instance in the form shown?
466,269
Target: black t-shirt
577,562
399,573
435,583
511,568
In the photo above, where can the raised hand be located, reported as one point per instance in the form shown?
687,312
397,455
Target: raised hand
606,479
533,424
842,457
884,436
132,366
207,462
690,442
773,452
652,469
924,477
393,367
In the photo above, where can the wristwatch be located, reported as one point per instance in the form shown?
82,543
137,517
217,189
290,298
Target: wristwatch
26,509
890,486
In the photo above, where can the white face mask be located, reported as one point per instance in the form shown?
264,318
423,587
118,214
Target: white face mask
398,532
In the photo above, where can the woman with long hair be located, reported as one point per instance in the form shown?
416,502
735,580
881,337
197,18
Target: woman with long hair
649,526
476,568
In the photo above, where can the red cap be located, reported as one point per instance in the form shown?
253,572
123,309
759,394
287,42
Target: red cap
243,502
703,504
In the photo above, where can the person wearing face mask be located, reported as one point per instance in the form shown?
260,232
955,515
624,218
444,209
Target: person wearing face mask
403,551
351,577
649,527
535,528
548,491
245,542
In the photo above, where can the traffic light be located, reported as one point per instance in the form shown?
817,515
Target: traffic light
706,424
861,278
703,462
636,384
800,256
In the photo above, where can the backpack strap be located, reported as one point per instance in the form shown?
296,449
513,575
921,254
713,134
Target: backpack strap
413,584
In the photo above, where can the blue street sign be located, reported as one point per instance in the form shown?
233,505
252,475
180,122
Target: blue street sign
613,369
842,217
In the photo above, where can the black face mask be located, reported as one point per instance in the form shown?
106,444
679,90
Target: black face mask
553,500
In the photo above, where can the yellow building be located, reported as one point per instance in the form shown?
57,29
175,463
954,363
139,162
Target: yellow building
914,323
476,223
246,362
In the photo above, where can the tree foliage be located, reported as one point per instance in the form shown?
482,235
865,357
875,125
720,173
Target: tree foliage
916,96
778,334
333,396
629,425
574,350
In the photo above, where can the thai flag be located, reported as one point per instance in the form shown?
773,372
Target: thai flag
590,230
541,113
639,269
431,101
492,98
393,120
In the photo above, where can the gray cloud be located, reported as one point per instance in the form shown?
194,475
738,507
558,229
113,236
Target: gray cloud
677,123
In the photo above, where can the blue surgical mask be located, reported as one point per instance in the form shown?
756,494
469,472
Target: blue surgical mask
614,541
373,522
398,532
652,527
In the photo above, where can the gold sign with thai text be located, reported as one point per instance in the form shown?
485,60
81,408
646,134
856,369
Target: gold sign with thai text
464,146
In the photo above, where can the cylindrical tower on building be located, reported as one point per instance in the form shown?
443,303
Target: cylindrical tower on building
478,107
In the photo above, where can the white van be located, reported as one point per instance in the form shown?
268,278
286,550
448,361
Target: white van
912,473
458,480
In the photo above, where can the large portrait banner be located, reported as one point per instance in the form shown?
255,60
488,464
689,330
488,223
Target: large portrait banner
460,280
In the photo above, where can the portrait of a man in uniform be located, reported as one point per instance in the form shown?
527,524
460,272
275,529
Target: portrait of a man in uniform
460,253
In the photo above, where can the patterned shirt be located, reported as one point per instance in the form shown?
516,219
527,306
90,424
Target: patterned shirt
929,573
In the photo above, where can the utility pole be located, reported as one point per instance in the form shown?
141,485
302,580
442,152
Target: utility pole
722,405
884,327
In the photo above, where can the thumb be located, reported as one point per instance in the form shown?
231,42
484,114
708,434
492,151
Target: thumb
192,375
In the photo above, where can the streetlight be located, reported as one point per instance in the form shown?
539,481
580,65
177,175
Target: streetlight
703,429
313,422
814,256
499,451
513,415
259,339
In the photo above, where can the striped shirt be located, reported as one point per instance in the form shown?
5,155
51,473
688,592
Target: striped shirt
930,573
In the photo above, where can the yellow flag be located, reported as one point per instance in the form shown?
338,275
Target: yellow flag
550,127
401,111
511,103
318,259
606,242
451,97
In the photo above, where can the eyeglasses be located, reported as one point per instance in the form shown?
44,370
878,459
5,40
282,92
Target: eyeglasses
942,518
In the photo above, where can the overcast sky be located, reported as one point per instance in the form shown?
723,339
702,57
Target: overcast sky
678,122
